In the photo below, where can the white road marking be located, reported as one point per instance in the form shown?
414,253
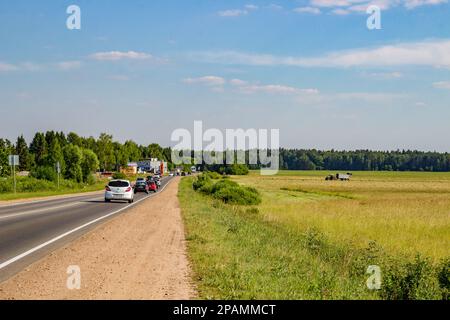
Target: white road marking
27,253
46,209
56,198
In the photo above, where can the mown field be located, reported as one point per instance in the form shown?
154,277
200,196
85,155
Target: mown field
314,239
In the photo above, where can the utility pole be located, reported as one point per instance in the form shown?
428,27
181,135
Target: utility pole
58,170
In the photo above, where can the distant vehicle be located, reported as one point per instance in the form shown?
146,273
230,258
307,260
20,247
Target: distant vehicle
141,186
120,190
194,169
171,174
152,186
140,179
339,176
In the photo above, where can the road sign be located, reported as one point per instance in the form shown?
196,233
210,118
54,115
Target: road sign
13,160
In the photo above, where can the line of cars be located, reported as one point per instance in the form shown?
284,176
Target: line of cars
123,190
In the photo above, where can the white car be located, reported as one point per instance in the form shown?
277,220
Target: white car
120,190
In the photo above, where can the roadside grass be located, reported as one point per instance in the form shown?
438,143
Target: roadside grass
28,187
314,239
238,255
32,188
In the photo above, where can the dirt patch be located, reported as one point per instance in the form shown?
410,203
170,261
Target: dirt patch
138,255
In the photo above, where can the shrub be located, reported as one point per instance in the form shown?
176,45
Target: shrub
226,190
45,173
444,278
119,176
414,280
212,175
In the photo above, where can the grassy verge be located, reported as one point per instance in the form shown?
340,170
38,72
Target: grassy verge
239,253
28,188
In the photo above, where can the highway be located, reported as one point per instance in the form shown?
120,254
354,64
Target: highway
29,231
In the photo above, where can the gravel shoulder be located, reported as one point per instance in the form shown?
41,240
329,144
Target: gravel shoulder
140,254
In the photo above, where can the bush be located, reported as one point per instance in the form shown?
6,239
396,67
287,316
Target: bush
226,190
45,173
91,179
212,175
119,176
444,278
238,195
414,280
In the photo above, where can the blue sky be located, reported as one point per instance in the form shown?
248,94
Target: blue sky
140,69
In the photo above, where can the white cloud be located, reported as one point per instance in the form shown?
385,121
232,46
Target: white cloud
411,4
311,10
442,85
340,12
119,55
274,6
427,53
342,7
6,67
30,66
386,75
68,65
233,13
251,7
248,88
238,82
207,80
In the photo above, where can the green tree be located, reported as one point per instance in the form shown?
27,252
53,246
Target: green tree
73,138
105,151
73,157
24,154
6,149
38,149
89,163
155,151
54,154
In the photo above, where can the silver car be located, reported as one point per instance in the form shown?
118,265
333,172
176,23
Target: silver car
120,190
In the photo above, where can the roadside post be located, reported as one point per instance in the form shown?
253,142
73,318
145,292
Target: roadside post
13,162
58,170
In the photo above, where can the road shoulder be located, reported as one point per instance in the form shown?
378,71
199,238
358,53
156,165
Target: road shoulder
140,254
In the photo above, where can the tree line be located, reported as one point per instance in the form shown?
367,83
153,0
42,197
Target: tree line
78,156
364,160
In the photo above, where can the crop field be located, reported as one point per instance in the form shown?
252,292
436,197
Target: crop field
314,239
405,213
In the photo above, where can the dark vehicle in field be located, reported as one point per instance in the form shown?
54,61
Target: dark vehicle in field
339,177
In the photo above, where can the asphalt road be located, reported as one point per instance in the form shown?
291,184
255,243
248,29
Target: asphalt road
29,231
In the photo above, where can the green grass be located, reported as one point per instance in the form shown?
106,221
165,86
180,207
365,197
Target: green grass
314,239
28,188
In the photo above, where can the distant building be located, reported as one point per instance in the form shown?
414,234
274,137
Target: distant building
130,169
152,165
